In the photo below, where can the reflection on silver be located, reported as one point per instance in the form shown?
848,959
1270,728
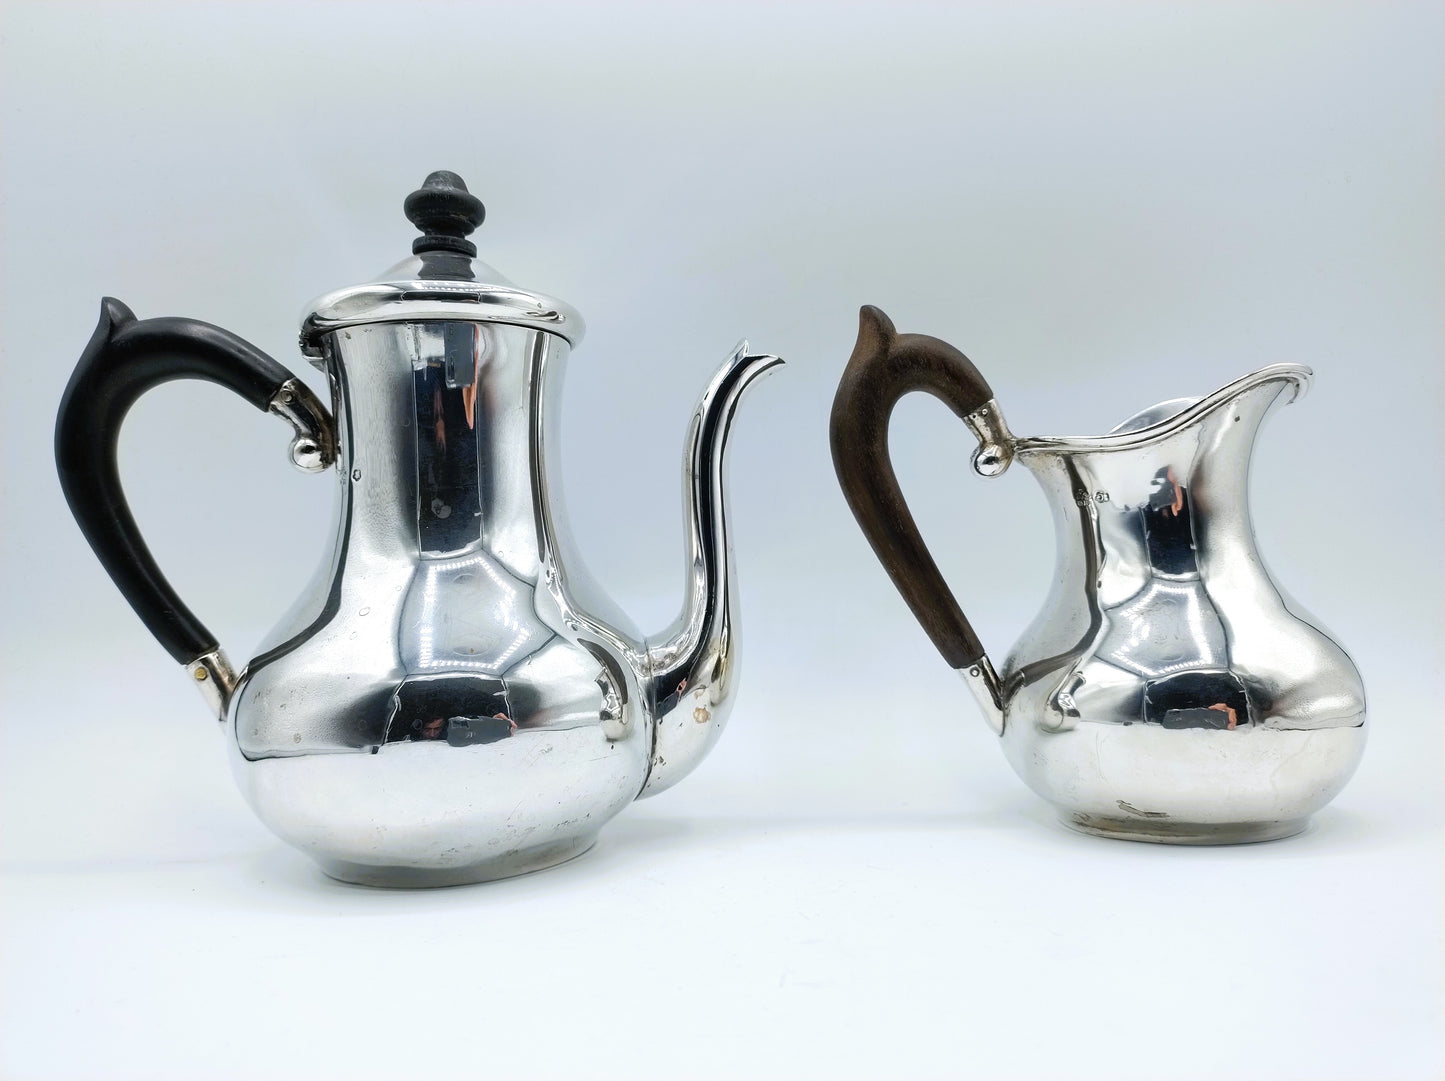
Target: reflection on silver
314,446
995,441
692,670
465,612
1167,627
215,679
983,684
454,698
1170,690
410,295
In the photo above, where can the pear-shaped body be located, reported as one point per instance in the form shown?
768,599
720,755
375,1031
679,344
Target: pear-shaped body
453,698
437,708
1170,690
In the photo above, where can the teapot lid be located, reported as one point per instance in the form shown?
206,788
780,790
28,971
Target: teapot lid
441,281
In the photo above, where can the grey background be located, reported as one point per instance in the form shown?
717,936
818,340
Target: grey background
1104,205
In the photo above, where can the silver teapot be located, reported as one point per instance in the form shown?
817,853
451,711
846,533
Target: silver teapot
1169,690
453,698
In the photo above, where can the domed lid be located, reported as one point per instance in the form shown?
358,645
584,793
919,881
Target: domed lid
441,281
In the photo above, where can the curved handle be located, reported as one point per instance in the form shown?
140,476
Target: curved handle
124,359
885,366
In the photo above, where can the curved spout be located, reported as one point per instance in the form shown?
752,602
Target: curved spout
690,673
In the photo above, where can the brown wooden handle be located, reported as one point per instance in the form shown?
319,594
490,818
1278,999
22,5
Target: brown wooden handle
885,366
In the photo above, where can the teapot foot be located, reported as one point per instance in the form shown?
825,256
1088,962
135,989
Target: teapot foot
1160,831
507,865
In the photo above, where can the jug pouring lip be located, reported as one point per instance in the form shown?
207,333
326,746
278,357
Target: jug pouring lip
1132,438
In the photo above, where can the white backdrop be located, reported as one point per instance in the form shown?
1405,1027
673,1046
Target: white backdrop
1104,205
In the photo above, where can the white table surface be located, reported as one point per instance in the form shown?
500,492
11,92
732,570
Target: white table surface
800,907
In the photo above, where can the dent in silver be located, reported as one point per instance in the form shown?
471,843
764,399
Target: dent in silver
1170,689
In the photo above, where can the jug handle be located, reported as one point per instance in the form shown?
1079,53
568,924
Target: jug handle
124,358
884,367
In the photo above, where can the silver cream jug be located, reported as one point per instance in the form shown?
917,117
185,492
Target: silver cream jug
1169,690
453,699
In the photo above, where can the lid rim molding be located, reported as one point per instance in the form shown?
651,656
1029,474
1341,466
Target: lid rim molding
436,301
442,280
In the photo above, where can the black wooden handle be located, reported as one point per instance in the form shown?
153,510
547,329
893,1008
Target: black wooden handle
124,359
885,366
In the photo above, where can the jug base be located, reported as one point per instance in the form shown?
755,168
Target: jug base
504,866
1183,833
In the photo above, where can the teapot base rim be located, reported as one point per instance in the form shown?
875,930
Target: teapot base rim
508,865
1183,833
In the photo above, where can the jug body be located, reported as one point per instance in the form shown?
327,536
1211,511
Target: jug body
1169,690
436,708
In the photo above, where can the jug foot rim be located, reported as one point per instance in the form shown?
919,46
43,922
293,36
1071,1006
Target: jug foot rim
508,865
1183,833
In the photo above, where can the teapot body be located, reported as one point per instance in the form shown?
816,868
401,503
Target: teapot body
453,698
436,708
1170,689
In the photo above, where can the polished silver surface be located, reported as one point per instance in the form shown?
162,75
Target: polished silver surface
995,441
215,679
982,682
1169,690
406,294
693,667
313,447
454,698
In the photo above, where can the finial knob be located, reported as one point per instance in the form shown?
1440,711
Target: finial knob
446,212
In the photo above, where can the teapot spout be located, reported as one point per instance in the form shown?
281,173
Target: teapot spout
692,670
